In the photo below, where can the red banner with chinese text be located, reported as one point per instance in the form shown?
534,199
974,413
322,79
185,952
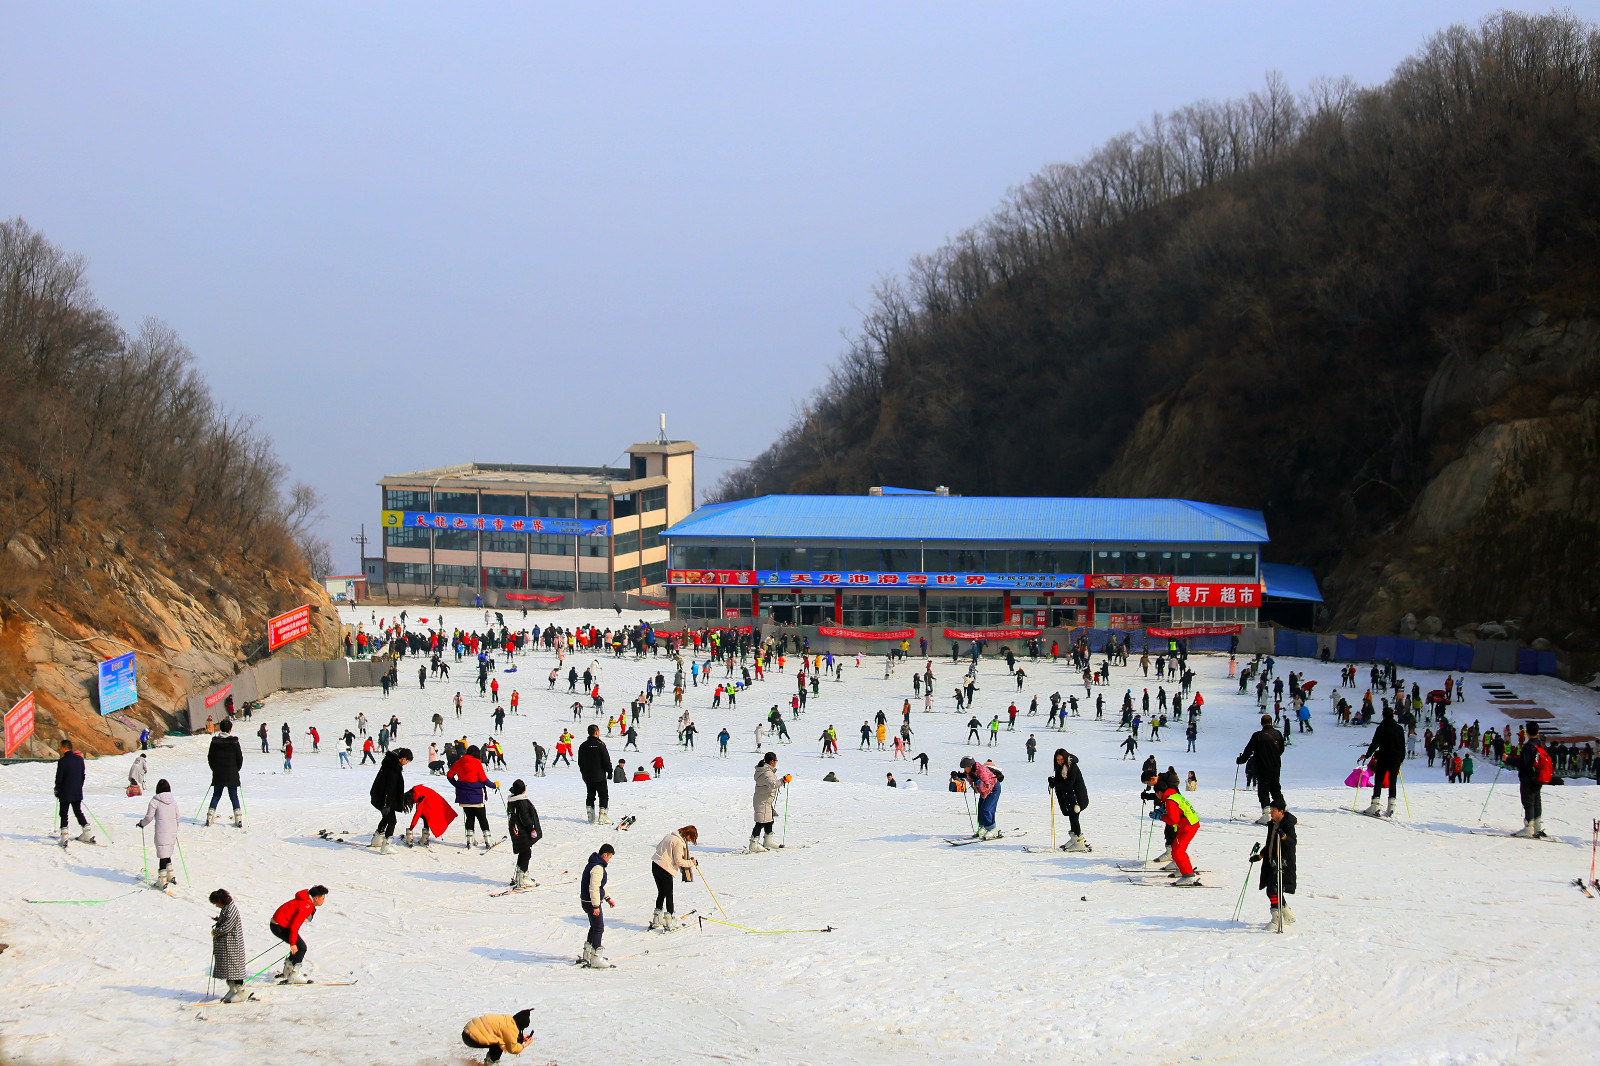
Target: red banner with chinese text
866,634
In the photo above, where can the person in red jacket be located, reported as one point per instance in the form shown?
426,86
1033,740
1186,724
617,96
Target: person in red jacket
367,748
285,925
1180,814
432,810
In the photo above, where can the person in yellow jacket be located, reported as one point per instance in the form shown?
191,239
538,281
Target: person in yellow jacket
499,1033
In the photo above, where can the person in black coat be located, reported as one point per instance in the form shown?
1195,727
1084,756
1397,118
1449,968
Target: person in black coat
225,758
1066,781
522,824
594,763
1386,752
1277,863
1529,779
1266,748
388,795
70,773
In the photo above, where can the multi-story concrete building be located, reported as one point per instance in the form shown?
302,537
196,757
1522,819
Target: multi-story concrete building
515,529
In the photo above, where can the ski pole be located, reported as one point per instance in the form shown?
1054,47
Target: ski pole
1239,907
103,829
1490,796
785,838
1235,798
144,850
267,967
186,879
713,895
202,806
1050,801
967,799
1402,778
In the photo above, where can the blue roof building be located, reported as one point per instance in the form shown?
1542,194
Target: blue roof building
897,558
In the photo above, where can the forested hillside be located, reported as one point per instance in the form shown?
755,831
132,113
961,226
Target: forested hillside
1370,312
135,511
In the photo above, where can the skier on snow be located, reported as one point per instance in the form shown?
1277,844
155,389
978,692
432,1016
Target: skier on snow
70,772
591,893
227,946
671,857
985,780
163,811
1386,752
767,782
1277,862
1534,770
594,764
226,758
470,780
522,824
1072,795
388,796
285,925
1266,748
431,809
1178,813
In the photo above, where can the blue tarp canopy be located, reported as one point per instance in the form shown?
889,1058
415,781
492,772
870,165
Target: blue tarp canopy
1285,582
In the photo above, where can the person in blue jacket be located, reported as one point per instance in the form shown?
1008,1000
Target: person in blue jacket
70,772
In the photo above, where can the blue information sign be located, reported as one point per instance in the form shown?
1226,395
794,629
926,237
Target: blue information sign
119,687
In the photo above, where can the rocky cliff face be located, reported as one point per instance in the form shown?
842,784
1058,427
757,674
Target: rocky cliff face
191,620
1505,529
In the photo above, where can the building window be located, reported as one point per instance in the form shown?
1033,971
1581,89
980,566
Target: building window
1202,615
1210,564
781,559
456,502
550,544
626,543
727,558
624,505
879,610
651,538
500,503
505,541
409,573
455,575
1072,562
405,537
594,507
1242,564
461,540
550,507
653,573
698,605
966,610
827,559
640,465
628,580
588,582
685,557
550,579
593,547
1108,562
405,500
735,600
1150,609
502,578
653,499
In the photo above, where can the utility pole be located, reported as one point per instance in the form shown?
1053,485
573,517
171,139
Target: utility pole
361,539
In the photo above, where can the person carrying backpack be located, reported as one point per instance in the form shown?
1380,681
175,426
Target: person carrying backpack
1534,771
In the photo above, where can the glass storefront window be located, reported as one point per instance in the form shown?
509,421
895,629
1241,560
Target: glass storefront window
966,610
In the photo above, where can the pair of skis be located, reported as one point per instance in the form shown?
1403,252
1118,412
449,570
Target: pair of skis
959,842
530,888
253,998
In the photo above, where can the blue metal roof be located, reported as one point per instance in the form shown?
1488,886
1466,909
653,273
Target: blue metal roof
1285,582
975,518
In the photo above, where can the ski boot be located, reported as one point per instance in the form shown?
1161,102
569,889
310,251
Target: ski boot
86,837
472,840
520,879
384,848
422,842
604,819
236,992
755,847
1266,817
1074,843
377,840
670,922
655,920
63,840
291,975
590,811
1527,830
1389,812
238,818
410,843
1373,811
768,843
1164,857
1187,880
163,879
593,959
211,817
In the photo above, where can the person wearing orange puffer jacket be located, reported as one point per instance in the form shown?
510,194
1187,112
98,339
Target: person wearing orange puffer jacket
499,1033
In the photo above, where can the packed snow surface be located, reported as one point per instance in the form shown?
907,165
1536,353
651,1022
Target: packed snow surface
1419,940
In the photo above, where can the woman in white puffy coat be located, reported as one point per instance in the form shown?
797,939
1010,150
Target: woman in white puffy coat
163,811
767,782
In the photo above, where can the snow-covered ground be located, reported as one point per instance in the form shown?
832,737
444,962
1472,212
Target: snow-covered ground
1418,941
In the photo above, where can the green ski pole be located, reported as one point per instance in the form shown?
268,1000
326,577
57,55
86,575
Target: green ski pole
186,878
1490,796
144,849
103,829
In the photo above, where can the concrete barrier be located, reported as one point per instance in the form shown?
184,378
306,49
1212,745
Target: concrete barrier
337,673
303,673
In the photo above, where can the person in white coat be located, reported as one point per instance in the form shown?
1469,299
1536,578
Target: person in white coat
767,782
136,774
163,811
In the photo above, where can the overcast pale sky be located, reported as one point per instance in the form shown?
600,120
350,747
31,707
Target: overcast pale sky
412,235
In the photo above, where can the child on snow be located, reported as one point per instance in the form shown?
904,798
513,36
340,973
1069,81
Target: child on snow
163,811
